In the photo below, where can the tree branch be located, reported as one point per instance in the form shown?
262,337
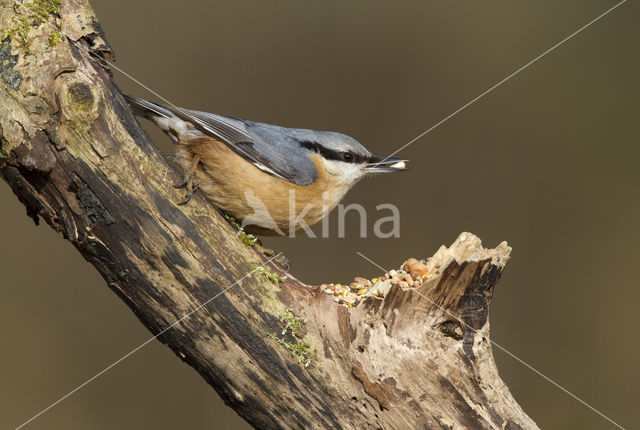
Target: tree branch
281,353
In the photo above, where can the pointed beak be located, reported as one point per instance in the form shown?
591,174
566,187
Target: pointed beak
387,164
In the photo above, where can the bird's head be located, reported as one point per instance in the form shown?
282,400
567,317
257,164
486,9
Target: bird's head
346,159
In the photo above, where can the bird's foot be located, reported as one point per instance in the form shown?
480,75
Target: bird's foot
189,182
192,187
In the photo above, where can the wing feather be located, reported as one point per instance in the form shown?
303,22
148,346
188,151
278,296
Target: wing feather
232,131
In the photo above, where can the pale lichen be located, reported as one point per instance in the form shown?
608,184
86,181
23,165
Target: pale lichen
12,78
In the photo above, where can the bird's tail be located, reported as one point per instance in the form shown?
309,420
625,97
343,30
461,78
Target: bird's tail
171,123
147,109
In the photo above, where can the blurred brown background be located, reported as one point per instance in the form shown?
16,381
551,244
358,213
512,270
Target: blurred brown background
548,161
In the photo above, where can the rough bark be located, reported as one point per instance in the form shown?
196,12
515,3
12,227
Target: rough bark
74,155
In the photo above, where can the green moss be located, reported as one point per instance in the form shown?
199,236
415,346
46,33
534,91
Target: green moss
269,275
42,9
55,38
36,13
288,338
247,239
291,322
299,350
22,30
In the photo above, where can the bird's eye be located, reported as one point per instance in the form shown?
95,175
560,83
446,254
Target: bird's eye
347,156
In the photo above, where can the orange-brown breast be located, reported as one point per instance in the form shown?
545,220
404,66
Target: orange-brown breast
248,194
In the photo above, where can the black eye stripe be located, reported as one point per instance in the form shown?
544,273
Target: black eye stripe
309,145
330,154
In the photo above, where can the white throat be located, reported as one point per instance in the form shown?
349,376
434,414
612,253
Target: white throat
344,173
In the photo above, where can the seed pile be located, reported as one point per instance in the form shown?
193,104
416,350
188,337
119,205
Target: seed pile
412,274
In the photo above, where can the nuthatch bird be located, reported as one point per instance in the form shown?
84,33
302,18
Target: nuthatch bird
273,179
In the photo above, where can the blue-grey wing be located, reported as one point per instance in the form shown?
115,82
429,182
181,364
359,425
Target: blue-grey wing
272,149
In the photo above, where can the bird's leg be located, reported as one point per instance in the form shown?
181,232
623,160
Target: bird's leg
189,182
188,175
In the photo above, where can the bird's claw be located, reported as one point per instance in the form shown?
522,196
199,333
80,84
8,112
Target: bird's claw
191,188
189,182
182,184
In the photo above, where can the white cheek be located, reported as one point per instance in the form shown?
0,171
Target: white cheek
344,172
